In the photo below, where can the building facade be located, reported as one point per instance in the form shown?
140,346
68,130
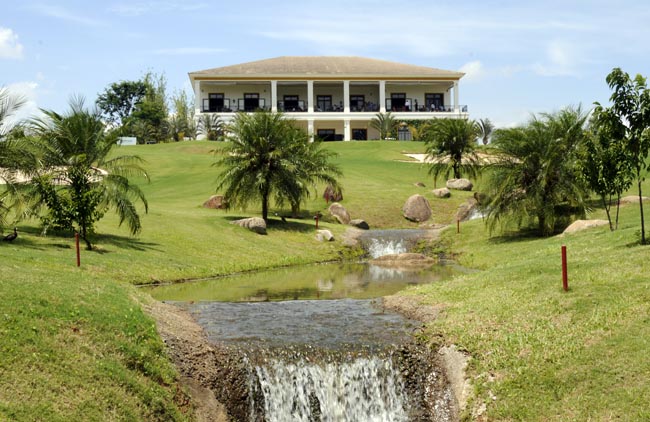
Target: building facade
333,98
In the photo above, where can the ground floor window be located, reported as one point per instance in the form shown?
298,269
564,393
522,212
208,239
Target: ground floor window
359,134
326,134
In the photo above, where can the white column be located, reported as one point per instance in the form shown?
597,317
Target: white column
274,96
197,97
310,97
382,96
346,97
310,129
456,106
347,131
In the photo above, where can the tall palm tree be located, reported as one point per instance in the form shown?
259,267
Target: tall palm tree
450,147
486,128
537,175
80,179
386,124
269,158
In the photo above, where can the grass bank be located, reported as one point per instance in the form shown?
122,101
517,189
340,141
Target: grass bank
540,354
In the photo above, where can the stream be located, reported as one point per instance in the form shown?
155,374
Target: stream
316,344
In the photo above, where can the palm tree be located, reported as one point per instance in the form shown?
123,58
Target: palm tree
79,179
269,157
486,128
13,156
450,147
211,126
536,176
386,124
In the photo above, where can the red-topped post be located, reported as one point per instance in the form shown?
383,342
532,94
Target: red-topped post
565,277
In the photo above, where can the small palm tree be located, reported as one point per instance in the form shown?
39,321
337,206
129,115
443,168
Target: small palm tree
486,128
386,124
537,175
450,147
79,179
211,126
269,157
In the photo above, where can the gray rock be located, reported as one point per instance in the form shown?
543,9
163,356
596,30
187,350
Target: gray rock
404,260
459,184
340,213
417,209
360,224
254,224
216,202
466,209
324,236
441,193
633,199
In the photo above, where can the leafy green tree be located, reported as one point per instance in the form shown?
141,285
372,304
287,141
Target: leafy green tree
211,126
628,120
268,157
536,175
183,116
605,161
386,124
485,128
120,99
79,179
450,147
153,109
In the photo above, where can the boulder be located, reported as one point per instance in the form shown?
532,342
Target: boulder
254,224
459,184
441,193
216,202
466,209
332,194
340,213
633,199
580,225
360,224
481,198
417,209
324,236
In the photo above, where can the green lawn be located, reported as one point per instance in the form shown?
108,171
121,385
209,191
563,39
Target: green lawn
75,344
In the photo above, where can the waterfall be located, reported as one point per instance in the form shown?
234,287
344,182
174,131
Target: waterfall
363,389
381,247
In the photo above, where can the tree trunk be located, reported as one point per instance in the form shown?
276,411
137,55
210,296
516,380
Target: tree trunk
618,207
265,205
607,206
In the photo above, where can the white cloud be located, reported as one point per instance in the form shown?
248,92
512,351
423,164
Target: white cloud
184,51
562,60
474,71
10,48
59,12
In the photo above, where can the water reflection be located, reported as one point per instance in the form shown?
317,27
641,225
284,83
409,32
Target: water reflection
324,281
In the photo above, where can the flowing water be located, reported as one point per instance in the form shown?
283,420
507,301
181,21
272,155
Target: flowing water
316,344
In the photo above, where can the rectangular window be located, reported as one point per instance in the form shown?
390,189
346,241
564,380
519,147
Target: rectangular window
324,103
326,134
251,101
397,101
291,103
434,101
357,102
215,102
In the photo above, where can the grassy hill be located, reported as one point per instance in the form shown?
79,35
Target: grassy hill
75,344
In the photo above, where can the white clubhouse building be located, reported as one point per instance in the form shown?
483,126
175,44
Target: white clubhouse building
335,98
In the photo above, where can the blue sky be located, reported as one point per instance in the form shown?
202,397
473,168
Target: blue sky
520,57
